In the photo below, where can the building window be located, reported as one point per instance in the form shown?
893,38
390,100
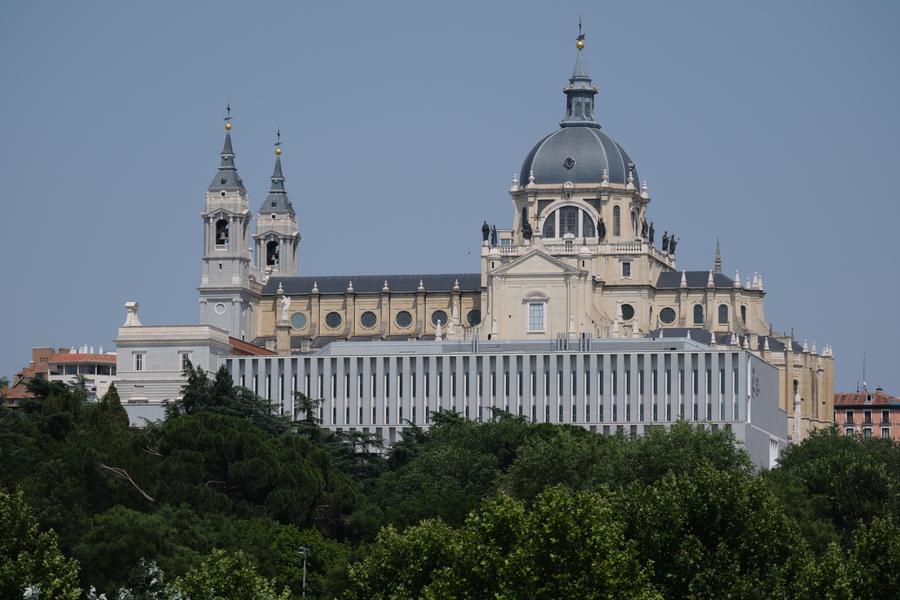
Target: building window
272,253
886,433
438,316
587,225
723,314
867,416
568,221
744,314
138,361
536,316
626,269
333,320
867,432
298,320
368,319
849,416
667,315
848,431
474,317
698,314
885,416
549,230
221,233
627,312
403,319
617,221
185,360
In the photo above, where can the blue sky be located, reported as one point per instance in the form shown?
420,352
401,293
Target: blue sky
770,125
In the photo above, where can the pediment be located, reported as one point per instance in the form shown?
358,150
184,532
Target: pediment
536,262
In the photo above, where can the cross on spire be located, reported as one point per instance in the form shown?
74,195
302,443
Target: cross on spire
227,118
580,34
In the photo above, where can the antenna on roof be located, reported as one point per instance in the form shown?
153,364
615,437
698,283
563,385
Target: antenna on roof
864,372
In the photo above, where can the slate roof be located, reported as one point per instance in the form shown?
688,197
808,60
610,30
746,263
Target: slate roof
372,284
277,200
227,178
671,280
590,148
723,338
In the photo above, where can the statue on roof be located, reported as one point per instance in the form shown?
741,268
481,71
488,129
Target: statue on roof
601,229
285,306
644,229
672,242
485,232
526,230
493,235
651,233
665,241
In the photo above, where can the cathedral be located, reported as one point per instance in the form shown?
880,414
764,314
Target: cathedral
579,260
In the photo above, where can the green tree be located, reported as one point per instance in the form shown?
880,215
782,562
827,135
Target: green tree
715,534
30,557
567,545
875,564
223,576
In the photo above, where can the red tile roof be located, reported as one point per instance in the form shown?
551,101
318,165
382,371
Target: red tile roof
83,358
242,348
865,398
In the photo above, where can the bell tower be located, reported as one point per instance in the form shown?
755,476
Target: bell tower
277,232
225,284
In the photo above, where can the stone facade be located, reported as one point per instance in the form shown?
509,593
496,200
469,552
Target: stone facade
582,259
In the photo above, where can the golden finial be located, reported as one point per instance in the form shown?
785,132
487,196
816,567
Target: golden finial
278,142
228,117
579,43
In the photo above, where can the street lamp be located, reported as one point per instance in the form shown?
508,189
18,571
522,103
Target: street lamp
304,552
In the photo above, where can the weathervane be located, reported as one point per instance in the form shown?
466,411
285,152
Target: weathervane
227,118
278,142
580,39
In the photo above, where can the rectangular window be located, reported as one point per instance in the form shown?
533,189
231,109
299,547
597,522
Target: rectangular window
867,416
849,416
848,431
626,269
867,431
885,416
536,316
886,433
185,360
138,361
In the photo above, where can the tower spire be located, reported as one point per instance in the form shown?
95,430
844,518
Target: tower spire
717,265
227,177
277,200
580,91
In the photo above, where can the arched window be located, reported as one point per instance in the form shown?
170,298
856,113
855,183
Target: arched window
617,221
221,232
549,230
698,314
723,314
272,254
587,225
524,216
568,220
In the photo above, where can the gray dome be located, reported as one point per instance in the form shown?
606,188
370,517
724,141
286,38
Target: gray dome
579,155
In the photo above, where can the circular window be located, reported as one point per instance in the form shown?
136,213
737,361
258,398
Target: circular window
667,315
298,320
368,319
438,316
219,308
569,163
474,317
403,319
627,312
333,320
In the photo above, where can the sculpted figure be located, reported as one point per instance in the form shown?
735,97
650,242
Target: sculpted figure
672,242
651,233
526,230
485,231
665,245
601,229
493,235
285,306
